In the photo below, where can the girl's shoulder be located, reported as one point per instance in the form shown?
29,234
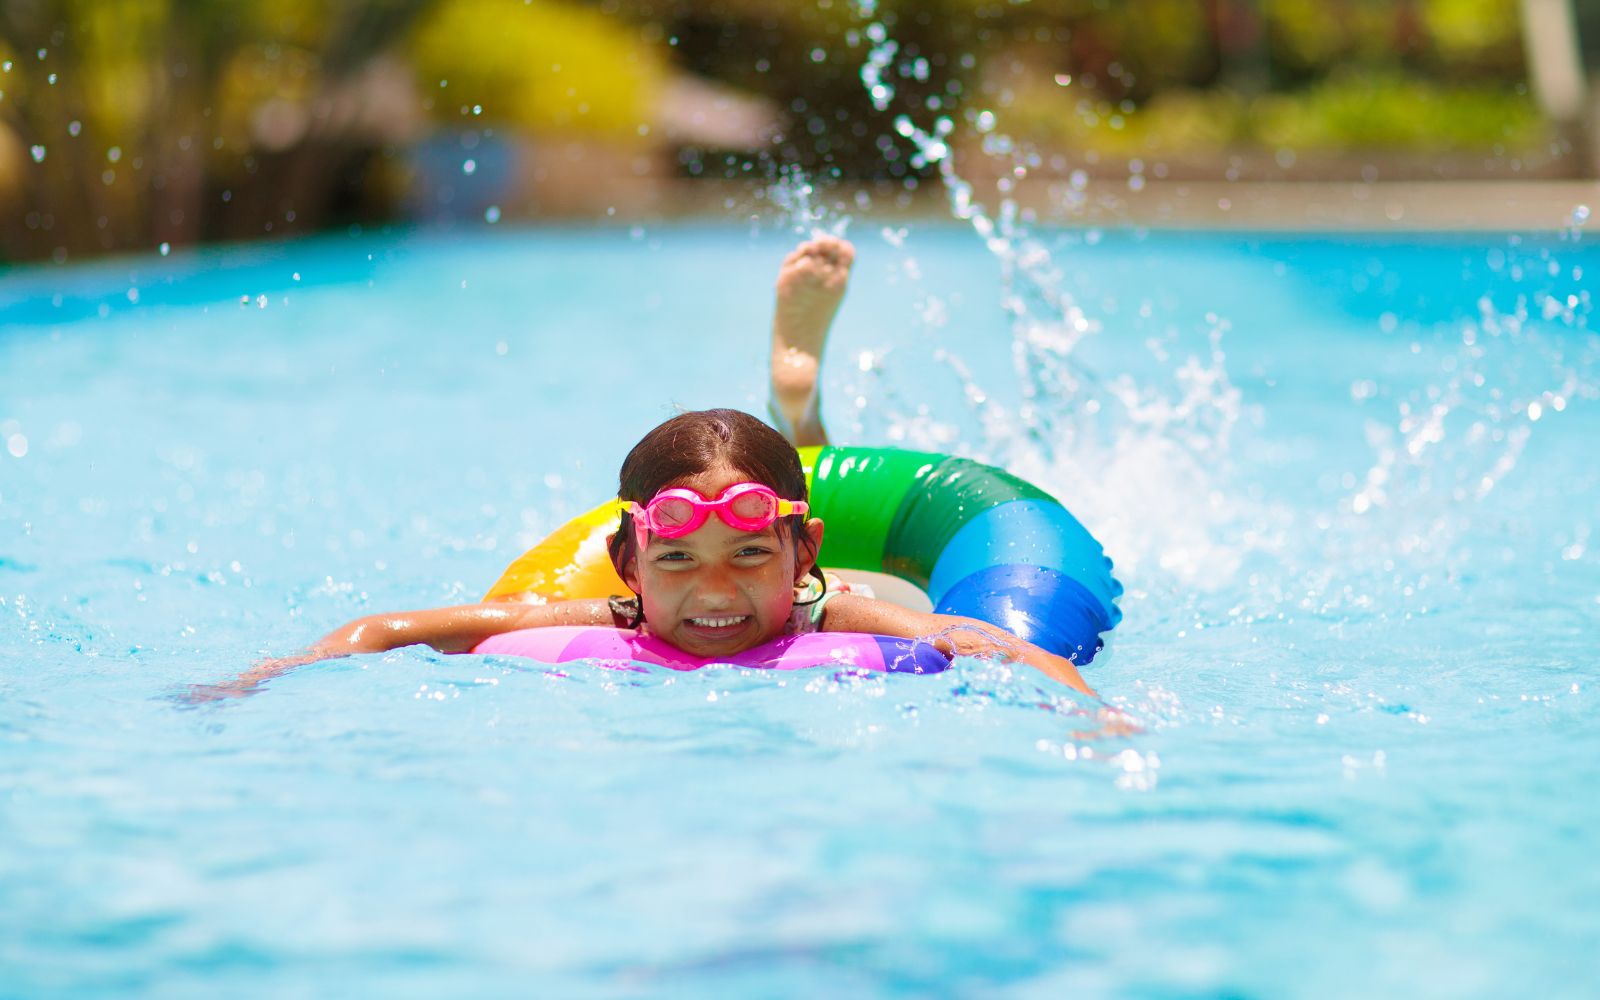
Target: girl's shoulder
812,600
816,607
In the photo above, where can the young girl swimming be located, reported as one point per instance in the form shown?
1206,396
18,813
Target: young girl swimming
715,541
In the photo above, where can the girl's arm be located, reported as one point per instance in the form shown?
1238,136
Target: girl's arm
449,630
952,634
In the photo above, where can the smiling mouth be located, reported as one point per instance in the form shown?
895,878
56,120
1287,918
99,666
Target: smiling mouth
719,623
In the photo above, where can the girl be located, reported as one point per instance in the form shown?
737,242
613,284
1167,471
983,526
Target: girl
715,542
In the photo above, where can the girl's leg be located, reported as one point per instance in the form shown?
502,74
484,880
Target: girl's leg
811,284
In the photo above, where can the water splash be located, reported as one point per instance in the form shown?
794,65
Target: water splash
795,196
1063,424
1149,459
1453,442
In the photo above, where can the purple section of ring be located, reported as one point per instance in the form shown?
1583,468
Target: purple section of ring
910,656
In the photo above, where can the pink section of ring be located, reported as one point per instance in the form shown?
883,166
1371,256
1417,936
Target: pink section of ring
566,643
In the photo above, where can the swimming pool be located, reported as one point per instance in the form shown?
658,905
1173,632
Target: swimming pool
1359,627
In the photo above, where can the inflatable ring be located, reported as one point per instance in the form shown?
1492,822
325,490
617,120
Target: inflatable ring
621,648
979,541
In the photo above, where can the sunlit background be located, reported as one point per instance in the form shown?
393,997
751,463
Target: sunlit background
310,311
139,123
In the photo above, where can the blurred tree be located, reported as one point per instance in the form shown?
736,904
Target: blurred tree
148,121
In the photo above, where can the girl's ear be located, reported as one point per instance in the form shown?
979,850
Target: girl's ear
805,556
628,573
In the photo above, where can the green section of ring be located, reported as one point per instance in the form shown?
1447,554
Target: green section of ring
859,494
938,504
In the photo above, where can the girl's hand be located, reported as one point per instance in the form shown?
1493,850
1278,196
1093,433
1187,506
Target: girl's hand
249,682
449,630
955,636
1114,724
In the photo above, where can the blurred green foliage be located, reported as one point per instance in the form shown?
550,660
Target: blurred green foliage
541,67
127,123
1188,77
1366,111
1346,112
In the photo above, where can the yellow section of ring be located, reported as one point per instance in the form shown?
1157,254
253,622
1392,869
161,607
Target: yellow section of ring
571,564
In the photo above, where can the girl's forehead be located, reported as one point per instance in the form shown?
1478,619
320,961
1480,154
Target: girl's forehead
711,482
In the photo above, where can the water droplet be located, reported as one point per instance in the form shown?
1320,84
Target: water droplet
114,154
17,445
477,109
818,54
38,154
1063,79
469,167
1580,215
74,127
51,79
165,249
6,66
491,215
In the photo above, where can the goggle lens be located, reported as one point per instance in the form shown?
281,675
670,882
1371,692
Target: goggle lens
754,507
672,513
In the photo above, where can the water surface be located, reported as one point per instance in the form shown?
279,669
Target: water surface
1348,482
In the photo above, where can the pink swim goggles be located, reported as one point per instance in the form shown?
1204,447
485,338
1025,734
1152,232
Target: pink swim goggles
742,506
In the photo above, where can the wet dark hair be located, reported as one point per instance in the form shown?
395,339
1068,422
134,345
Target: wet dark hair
696,442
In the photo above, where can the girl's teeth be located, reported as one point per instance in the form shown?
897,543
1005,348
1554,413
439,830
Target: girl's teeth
717,622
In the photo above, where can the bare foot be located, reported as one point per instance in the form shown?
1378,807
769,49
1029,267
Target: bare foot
811,284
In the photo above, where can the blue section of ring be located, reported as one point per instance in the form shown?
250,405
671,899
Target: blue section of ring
911,656
1041,605
1028,533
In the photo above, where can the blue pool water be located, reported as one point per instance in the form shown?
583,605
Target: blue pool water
1359,627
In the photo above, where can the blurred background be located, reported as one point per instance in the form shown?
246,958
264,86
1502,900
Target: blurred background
128,125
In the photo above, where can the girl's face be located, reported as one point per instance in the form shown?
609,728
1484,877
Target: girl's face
717,590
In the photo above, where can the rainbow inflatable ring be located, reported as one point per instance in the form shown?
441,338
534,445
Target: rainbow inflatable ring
977,540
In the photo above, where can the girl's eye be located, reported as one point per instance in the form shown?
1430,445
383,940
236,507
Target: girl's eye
752,550
672,556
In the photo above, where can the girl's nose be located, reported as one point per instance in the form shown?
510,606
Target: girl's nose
716,589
